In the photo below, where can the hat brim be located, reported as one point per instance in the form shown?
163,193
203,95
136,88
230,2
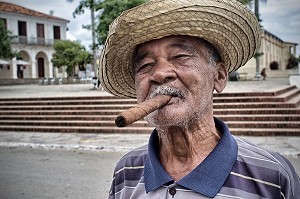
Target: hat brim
231,28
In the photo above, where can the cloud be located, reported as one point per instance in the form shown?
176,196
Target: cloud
81,35
282,18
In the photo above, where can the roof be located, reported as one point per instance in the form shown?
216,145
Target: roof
274,36
13,8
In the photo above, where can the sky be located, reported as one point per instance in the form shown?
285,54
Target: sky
280,17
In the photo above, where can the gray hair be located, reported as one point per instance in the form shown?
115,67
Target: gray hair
213,54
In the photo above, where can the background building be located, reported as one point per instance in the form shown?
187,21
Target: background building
35,35
273,49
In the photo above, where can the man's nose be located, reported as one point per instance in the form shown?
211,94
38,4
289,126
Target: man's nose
162,72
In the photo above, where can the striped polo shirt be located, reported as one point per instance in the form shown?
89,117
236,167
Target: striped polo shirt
234,169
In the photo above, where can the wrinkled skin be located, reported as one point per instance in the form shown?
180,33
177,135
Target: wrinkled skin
180,66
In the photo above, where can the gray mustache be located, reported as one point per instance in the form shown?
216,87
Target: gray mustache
166,90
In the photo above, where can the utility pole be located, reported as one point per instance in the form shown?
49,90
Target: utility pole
256,12
94,66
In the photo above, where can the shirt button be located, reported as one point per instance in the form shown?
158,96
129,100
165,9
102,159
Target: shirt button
172,191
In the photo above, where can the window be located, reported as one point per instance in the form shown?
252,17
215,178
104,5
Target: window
40,32
22,28
22,32
56,32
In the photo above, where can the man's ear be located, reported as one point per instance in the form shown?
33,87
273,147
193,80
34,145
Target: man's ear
220,77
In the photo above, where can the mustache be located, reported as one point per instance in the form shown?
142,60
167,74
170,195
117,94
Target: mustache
166,90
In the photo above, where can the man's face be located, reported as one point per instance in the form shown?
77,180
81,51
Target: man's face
177,66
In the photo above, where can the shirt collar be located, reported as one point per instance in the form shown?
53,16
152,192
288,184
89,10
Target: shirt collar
207,178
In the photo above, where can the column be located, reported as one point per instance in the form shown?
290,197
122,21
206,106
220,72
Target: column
14,68
50,69
33,69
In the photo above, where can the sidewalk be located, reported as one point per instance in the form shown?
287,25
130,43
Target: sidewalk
35,90
285,145
289,146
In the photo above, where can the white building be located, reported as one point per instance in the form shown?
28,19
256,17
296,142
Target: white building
273,49
35,35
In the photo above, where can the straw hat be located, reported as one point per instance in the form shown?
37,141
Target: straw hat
228,25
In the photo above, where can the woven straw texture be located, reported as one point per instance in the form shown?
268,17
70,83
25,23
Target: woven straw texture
228,25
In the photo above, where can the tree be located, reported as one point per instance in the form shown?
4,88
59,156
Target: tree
90,5
274,65
83,59
246,2
292,62
256,6
5,40
69,53
111,9
256,12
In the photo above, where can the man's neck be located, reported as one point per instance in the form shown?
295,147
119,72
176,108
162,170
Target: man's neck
183,149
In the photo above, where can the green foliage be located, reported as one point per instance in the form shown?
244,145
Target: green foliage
85,4
251,3
245,1
256,4
111,9
292,62
5,39
84,58
69,53
258,54
274,65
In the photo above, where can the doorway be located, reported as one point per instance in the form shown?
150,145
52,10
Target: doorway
20,69
41,67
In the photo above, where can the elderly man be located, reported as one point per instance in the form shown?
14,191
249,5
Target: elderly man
185,49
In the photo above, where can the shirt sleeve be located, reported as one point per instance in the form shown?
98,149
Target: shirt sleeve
289,179
111,194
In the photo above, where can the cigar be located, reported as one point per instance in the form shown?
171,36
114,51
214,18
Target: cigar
141,110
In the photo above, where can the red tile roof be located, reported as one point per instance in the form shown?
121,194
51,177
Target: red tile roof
13,8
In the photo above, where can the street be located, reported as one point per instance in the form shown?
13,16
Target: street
28,173
39,173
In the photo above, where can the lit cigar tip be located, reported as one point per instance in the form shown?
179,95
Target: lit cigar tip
120,121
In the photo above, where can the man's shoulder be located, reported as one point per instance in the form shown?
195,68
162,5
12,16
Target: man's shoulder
247,149
256,156
129,172
267,168
134,158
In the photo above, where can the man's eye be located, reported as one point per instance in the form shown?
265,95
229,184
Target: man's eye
181,56
143,66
